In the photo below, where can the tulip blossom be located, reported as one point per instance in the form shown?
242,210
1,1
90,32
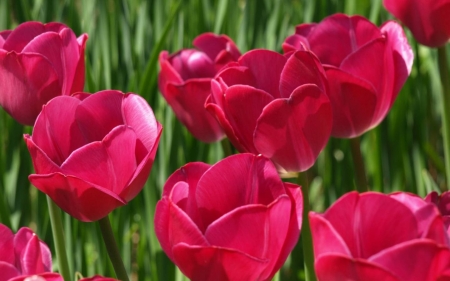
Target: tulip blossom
442,202
93,153
427,19
275,106
185,82
366,67
37,63
22,254
235,220
373,236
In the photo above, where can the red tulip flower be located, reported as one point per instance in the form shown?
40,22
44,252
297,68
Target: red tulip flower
427,19
22,254
93,153
366,67
275,106
185,82
37,63
373,236
235,220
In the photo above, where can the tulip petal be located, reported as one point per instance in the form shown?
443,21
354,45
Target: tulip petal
48,276
27,31
6,245
80,199
326,239
241,116
27,81
212,45
3,35
173,226
338,268
78,79
188,104
167,74
248,180
35,257
266,67
353,101
212,263
41,162
293,131
99,113
301,68
416,260
8,271
339,35
57,133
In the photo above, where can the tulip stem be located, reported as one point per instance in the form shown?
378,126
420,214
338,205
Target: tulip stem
308,251
445,83
226,147
113,249
58,238
358,163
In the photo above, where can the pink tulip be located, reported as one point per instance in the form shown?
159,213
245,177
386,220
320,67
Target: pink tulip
185,82
427,19
93,153
373,236
37,63
275,106
366,67
22,254
235,220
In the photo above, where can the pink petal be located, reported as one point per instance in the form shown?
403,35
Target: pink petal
27,81
173,226
326,239
6,245
82,200
339,35
410,200
353,101
56,131
238,180
40,277
99,113
241,116
257,230
190,63
167,74
79,76
216,264
295,42
188,103
35,256
292,132
3,36
8,271
41,162
338,268
266,67
213,45
27,31
416,260
301,68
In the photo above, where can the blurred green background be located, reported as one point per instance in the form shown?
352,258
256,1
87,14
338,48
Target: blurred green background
125,37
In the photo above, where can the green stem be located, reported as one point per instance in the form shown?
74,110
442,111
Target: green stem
58,237
113,250
308,251
360,170
445,83
226,147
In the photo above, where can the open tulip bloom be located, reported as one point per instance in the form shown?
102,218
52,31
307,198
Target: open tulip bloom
37,63
235,220
93,153
366,67
373,236
427,19
274,105
185,82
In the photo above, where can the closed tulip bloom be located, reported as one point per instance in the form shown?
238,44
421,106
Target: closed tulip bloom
275,106
185,82
93,153
37,63
373,236
427,19
366,67
235,220
22,254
